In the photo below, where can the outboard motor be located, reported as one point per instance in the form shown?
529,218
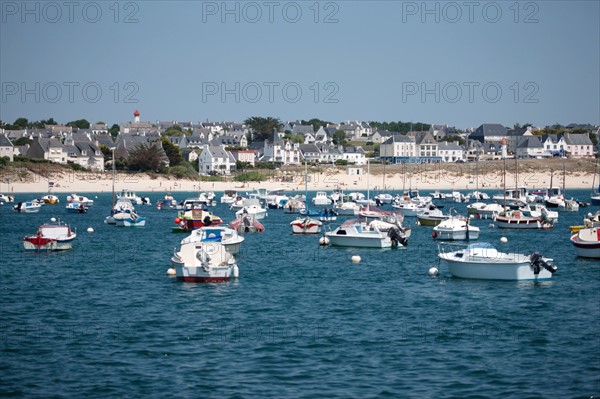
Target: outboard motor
207,221
246,224
397,238
537,262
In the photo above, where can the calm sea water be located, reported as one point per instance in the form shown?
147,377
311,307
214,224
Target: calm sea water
302,321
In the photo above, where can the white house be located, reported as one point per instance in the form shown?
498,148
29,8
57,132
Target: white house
398,149
451,151
579,145
354,155
531,147
216,160
281,151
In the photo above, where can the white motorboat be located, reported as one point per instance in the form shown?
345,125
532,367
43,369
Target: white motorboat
431,216
587,241
227,236
53,236
479,196
27,207
306,225
539,211
167,203
74,207
228,196
384,198
455,229
321,199
514,198
203,262
347,208
252,207
483,261
489,211
6,198
129,218
80,199
133,197
355,233
121,206
514,219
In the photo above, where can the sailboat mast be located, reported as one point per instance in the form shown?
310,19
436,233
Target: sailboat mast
368,173
504,180
113,180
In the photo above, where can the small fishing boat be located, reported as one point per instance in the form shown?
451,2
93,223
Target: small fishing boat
227,236
455,229
50,199
383,198
129,218
27,207
347,208
321,199
252,206
514,219
80,199
246,224
53,236
203,262
228,196
587,240
483,261
357,233
431,216
74,207
306,225
167,203
192,219
133,197
6,199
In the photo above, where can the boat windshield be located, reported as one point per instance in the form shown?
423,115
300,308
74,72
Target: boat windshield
480,245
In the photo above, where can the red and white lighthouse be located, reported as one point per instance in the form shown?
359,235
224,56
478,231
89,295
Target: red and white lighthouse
136,116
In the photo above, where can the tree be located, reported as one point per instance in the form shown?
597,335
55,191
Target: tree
114,130
339,137
316,123
172,151
20,123
22,141
298,139
174,132
262,128
146,157
80,124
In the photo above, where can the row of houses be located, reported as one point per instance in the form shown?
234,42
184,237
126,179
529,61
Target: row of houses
209,142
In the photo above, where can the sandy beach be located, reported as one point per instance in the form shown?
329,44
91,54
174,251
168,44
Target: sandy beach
579,174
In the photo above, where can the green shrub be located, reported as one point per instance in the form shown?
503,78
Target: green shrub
250,176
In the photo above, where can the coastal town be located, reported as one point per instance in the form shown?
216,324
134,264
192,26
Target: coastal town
222,148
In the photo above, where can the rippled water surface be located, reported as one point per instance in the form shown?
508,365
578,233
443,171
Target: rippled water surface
103,320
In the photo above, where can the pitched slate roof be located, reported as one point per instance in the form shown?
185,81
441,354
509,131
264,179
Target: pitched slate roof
577,139
4,141
530,142
399,138
449,146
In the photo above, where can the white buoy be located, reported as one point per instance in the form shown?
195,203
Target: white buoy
324,240
171,271
355,259
236,271
491,225
433,271
503,240
53,220
418,223
90,229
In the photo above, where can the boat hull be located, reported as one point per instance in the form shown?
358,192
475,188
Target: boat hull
520,223
196,274
496,271
47,245
303,226
585,249
445,235
362,241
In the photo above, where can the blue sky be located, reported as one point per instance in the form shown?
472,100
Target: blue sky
460,63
